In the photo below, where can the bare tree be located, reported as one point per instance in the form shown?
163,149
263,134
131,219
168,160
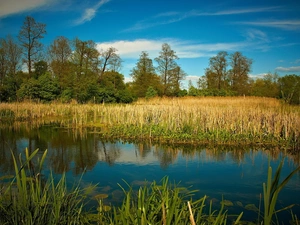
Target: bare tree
109,59
10,57
29,36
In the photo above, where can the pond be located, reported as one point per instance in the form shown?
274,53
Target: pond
235,173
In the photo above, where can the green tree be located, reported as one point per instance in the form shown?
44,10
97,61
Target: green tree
48,88
192,91
29,90
113,81
289,86
29,36
166,65
216,74
85,58
143,75
176,75
151,92
40,68
239,73
266,86
60,53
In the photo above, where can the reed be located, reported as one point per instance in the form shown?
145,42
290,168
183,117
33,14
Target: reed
28,199
223,120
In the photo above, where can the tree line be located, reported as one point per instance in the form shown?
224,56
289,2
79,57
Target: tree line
69,70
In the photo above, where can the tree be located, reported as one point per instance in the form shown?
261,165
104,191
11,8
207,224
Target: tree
202,83
166,64
176,75
29,36
40,68
266,86
60,53
216,74
290,88
143,75
113,81
109,60
240,68
85,58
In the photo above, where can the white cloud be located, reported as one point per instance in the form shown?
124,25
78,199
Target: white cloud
183,49
9,7
255,34
255,76
90,13
288,69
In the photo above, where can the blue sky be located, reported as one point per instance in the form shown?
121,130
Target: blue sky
266,31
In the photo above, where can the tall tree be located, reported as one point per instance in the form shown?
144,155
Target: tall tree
85,57
60,52
216,74
110,60
290,88
240,68
166,64
29,36
143,75
176,75
40,68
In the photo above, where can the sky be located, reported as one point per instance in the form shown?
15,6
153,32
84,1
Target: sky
268,32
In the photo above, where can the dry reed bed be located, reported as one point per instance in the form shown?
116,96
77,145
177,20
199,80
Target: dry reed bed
248,117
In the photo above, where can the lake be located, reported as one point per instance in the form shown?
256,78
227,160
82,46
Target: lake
235,173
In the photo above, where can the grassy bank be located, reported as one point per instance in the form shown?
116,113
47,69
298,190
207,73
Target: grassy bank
223,120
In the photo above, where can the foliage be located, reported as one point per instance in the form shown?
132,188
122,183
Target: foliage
168,69
290,89
48,88
85,73
29,90
151,92
143,75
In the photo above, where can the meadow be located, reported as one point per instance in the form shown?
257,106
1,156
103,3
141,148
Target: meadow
218,120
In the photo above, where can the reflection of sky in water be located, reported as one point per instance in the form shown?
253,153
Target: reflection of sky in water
213,173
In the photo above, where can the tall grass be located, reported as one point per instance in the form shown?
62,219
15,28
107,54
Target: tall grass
28,199
229,120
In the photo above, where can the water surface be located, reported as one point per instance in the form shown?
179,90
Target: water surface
235,173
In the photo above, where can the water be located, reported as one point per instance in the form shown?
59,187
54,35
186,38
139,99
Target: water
229,172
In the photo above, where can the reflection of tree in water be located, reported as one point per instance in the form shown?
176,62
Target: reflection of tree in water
8,146
166,155
108,152
85,156
143,148
62,151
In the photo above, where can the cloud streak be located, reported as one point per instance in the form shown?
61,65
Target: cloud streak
288,69
173,17
184,49
281,24
90,13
